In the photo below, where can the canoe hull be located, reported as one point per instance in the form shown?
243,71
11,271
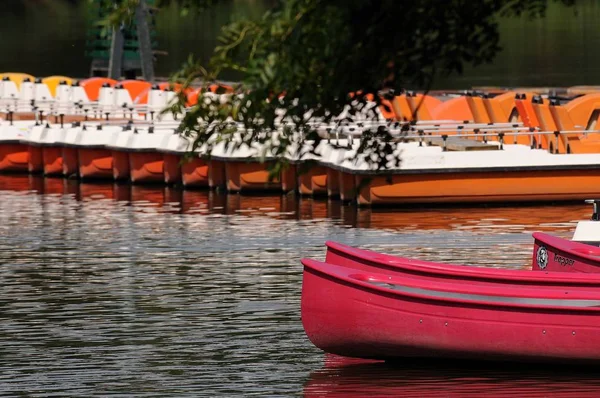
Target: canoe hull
554,254
344,315
369,261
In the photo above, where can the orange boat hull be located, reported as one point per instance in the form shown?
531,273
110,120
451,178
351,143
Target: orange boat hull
242,176
146,167
14,157
70,162
346,186
195,173
121,169
482,187
36,160
313,181
95,163
333,183
53,160
289,180
172,168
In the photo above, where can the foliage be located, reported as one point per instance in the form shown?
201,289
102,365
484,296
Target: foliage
317,52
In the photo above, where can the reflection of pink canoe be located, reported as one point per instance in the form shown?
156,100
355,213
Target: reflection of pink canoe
341,377
370,261
364,314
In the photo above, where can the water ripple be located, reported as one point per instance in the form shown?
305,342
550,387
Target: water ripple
119,290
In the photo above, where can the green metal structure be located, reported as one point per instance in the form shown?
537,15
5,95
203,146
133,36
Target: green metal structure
99,42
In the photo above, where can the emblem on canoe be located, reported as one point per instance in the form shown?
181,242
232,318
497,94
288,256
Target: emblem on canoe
542,257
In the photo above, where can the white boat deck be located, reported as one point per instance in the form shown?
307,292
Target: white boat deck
162,137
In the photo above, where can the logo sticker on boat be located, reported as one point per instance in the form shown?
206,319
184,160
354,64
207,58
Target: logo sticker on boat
542,257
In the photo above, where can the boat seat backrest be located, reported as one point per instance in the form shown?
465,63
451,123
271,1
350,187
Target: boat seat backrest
418,106
386,110
478,109
506,102
122,97
526,113
106,97
79,95
170,96
157,99
592,121
401,108
64,94
582,108
455,108
546,124
42,93
8,90
562,119
564,123
555,145
495,111
26,93
542,111
592,124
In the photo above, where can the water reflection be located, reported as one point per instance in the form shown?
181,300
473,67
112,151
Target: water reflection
156,291
343,377
557,218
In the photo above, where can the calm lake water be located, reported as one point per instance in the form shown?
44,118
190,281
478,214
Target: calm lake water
46,37
141,291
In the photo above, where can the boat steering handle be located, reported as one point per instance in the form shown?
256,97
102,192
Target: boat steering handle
595,202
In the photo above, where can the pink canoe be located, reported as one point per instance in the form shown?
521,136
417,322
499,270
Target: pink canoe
370,261
555,254
365,314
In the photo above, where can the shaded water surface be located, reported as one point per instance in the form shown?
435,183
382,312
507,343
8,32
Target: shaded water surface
113,289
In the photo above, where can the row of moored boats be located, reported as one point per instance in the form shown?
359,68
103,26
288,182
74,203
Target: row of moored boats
463,148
